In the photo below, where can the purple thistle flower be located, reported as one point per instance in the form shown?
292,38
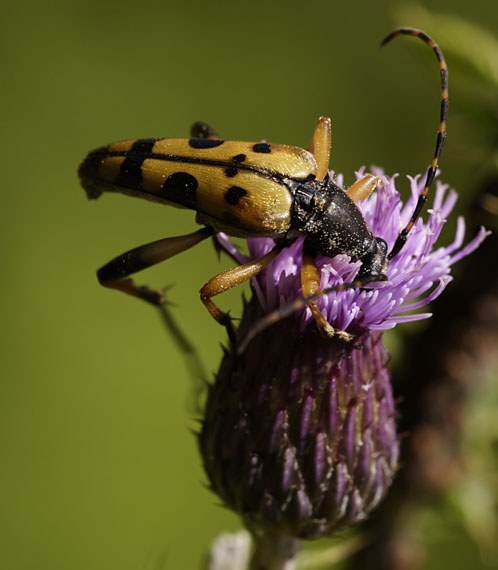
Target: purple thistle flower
412,274
299,432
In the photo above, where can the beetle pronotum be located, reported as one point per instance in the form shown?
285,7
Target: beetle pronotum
249,189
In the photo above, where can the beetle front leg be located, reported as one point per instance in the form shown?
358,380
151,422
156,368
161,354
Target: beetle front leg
310,283
228,279
320,146
114,273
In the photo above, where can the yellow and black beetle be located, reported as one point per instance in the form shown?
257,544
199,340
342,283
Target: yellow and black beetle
249,189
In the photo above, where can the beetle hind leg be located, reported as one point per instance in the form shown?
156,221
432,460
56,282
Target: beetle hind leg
115,274
201,130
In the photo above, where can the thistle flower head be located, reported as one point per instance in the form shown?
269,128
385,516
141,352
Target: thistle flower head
299,432
416,276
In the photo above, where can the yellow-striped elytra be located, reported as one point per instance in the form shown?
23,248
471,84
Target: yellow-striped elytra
250,189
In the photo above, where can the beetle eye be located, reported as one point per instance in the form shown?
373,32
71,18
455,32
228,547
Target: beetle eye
381,245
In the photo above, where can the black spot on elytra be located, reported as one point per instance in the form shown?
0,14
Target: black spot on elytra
234,194
205,143
143,145
130,171
180,188
231,171
262,148
239,158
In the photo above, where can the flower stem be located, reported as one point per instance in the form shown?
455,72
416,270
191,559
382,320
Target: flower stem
274,551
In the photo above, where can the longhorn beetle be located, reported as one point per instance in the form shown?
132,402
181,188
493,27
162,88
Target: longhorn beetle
251,189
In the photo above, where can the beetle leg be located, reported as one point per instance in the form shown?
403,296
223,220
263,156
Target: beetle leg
320,146
310,282
299,304
201,130
114,273
193,362
230,278
363,187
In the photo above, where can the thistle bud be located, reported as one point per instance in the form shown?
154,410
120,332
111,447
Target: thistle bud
299,432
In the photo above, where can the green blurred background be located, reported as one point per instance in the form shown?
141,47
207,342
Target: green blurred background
99,467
